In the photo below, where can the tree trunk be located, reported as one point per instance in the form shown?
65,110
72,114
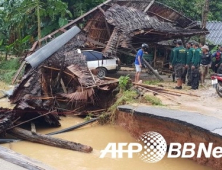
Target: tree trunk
47,140
21,160
38,21
204,20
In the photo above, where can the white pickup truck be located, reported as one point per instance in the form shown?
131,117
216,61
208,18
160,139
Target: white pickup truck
96,60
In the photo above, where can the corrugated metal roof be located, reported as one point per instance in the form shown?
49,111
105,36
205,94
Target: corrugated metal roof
46,51
215,35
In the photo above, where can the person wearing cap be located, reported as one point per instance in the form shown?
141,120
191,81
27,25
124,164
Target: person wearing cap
190,54
179,62
195,62
204,63
138,61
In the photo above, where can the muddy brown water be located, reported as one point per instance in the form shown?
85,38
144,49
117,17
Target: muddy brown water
98,137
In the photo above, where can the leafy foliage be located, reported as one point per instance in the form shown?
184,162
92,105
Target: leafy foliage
8,69
18,19
124,83
193,8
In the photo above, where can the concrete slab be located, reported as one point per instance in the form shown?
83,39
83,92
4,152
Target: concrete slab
198,120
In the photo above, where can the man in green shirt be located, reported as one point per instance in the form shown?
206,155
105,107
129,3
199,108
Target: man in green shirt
171,59
190,54
179,62
195,74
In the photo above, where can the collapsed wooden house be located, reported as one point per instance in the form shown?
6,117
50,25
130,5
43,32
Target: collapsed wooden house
114,27
61,81
121,26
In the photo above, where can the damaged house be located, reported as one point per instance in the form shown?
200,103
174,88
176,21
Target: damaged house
60,79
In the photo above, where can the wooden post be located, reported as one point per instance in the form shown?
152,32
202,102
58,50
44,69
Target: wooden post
152,70
155,56
33,129
48,140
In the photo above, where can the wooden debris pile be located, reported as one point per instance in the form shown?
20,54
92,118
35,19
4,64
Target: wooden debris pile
6,119
166,93
63,81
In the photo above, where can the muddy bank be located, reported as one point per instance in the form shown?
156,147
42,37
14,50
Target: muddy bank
175,126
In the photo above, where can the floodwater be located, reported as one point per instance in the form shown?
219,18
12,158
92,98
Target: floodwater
94,135
98,137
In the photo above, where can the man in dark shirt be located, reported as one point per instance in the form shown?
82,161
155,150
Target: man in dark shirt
204,63
216,58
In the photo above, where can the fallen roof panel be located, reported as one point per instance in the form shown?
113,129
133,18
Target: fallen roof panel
46,51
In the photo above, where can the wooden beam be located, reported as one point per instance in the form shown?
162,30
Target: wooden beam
18,72
155,56
161,17
62,29
47,140
107,26
148,7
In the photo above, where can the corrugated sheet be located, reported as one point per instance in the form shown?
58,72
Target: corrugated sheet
46,51
215,29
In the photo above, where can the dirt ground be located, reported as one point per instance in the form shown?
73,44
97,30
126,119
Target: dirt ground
208,102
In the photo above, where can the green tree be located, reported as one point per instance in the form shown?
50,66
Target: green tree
35,18
194,8
79,7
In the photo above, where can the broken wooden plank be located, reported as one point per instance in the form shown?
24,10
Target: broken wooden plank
21,160
47,140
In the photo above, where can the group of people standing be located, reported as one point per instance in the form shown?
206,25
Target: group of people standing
193,63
